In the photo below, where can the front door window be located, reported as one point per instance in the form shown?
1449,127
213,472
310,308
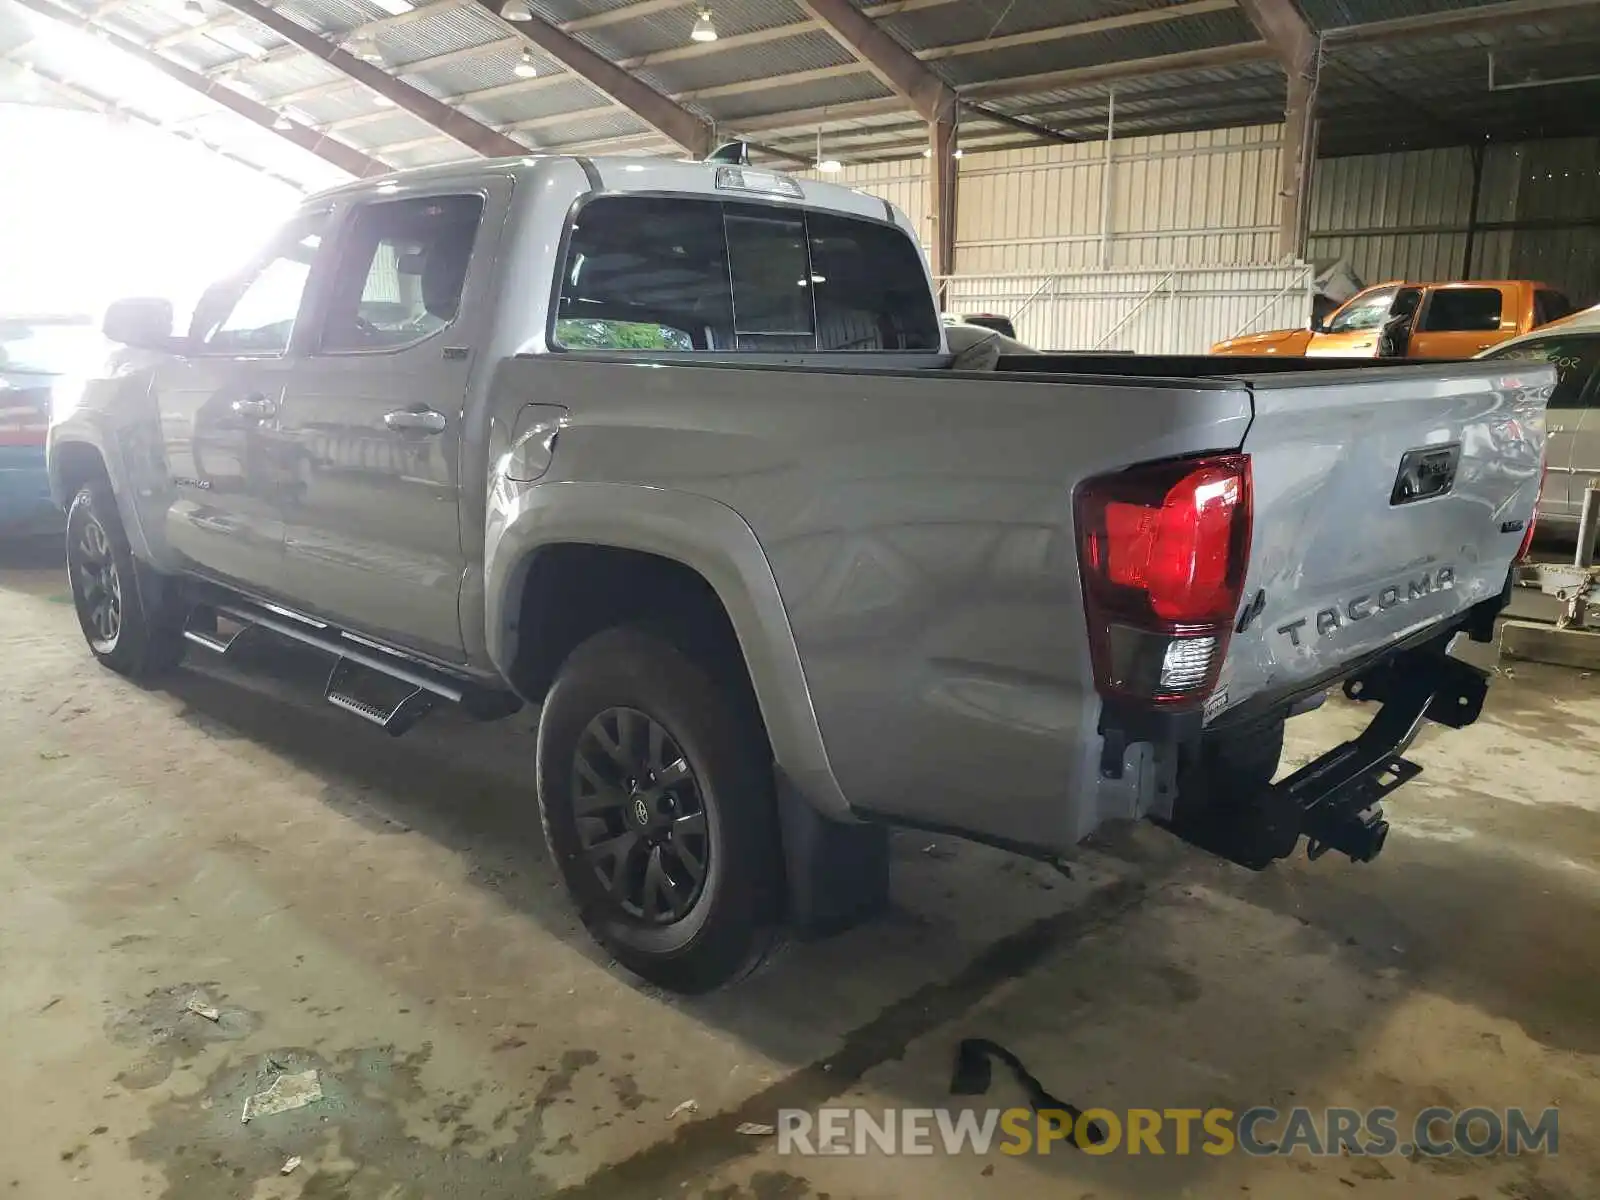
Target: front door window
255,313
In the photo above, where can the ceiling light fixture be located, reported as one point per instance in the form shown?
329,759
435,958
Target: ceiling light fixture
365,47
516,10
826,165
526,68
283,124
704,30
193,8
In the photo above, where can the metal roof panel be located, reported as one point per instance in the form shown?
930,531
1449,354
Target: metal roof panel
670,29
1095,49
807,52
815,94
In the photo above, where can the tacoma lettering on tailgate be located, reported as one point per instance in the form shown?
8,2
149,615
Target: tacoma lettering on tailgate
1359,608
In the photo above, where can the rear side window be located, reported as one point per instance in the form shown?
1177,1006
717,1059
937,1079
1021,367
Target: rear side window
401,272
1461,310
1574,359
645,273
1549,306
869,287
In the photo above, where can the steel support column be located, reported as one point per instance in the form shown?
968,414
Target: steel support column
943,176
896,67
1299,156
1295,45
451,122
689,130
346,158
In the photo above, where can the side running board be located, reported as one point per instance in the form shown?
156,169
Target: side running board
196,630
393,718
392,692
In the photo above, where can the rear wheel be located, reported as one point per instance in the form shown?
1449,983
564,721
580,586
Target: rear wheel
656,793
1223,803
126,617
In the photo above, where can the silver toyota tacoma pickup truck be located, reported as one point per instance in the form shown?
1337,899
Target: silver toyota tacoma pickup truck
681,452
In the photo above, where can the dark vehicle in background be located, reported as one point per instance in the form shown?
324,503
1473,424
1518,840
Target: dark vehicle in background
35,351
1001,325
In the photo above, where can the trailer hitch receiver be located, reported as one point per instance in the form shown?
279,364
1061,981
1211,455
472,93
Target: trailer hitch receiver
1335,801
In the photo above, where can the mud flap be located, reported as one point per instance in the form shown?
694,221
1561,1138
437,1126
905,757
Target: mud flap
838,874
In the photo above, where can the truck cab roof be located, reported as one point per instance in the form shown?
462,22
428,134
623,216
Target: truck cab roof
633,173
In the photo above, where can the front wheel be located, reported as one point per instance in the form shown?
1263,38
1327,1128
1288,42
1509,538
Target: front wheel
129,624
656,794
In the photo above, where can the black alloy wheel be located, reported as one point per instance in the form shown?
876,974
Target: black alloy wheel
96,584
657,797
641,816
131,616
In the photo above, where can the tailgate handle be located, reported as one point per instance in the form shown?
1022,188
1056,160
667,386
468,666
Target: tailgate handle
1425,472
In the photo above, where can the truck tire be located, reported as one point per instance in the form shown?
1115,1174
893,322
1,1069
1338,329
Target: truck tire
1239,766
1223,805
657,799
126,615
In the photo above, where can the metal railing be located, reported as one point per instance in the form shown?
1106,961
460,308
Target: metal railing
1164,282
1093,309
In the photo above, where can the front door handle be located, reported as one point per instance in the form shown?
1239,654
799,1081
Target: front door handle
416,420
254,405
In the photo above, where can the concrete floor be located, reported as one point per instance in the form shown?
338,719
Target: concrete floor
382,912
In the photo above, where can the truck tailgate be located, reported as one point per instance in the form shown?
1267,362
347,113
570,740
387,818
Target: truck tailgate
1385,502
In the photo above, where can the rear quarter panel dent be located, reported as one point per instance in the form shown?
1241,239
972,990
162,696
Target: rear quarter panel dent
699,532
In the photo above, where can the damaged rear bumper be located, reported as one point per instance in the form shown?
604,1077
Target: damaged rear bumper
1335,801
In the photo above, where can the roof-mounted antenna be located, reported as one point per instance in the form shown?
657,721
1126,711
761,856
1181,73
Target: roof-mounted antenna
736,154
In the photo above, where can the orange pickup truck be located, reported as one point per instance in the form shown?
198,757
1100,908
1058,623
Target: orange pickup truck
1415,320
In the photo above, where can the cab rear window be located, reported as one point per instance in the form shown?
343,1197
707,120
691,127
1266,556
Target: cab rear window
1461,310
1549,306
728,276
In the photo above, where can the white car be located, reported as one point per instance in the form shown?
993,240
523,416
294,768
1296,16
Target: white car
1572,420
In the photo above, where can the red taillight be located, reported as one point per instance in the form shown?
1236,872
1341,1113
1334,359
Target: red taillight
1163,550
1533,520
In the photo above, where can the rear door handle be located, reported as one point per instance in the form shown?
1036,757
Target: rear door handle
416,420
254,405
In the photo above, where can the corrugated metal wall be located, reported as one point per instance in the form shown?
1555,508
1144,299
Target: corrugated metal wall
1209,199
903,184
1187,199
1183,199
1174,311
1405,216
1559,194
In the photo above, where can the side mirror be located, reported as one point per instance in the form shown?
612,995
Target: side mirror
144,322
1319,326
